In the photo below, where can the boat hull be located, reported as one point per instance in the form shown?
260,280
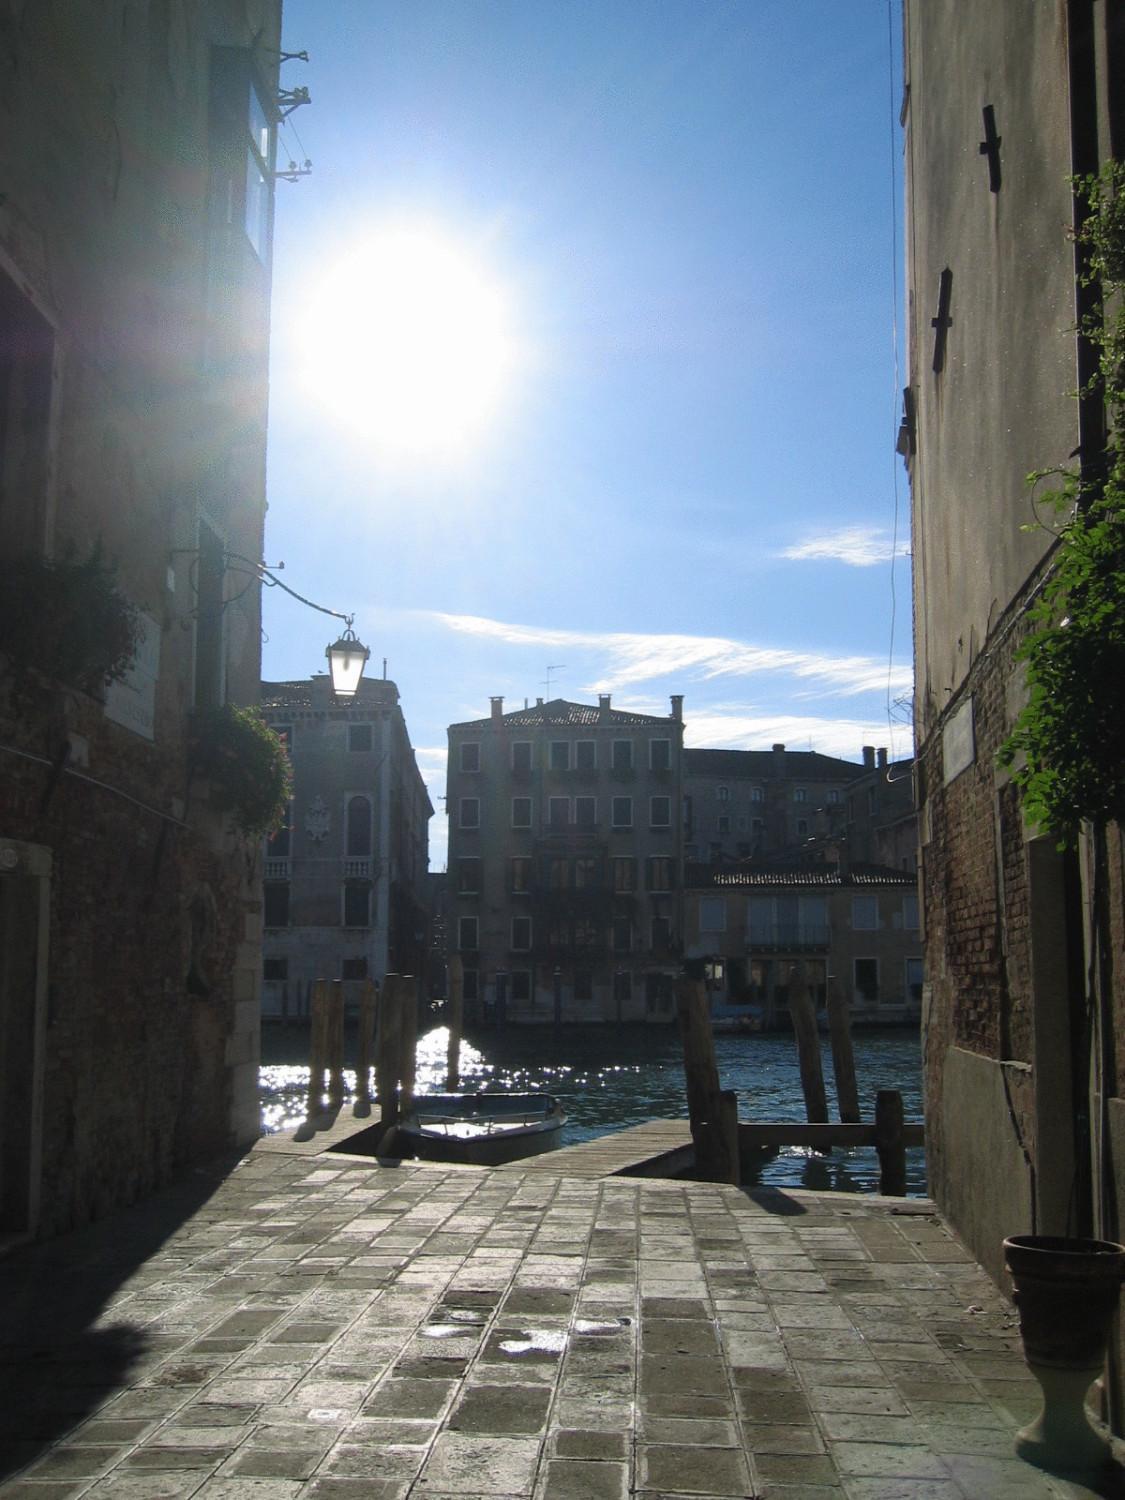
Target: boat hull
485,1130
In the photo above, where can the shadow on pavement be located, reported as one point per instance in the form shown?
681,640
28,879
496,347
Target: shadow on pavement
62,1353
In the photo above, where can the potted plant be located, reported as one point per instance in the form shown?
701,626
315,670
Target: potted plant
66,620
245,764
1066,1292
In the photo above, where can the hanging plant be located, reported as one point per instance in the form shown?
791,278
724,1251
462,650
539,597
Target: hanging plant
1068,744
246,765
66,619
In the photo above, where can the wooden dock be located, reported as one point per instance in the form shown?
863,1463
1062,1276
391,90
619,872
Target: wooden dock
659,1148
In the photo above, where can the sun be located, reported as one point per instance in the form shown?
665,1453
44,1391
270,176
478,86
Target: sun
408,340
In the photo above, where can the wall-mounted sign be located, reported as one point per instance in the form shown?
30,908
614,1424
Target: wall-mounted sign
131,702
958,742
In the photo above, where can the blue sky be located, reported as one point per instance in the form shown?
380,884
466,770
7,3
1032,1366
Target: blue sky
688,482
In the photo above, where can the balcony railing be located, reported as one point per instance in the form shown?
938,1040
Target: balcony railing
357,869
276,869
791,937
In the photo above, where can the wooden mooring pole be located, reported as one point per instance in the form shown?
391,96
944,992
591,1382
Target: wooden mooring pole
334,1044
843,1057
802,1013
408,1041
367,1000
713,1112
387,1048
455,1016
318,1047
890,1143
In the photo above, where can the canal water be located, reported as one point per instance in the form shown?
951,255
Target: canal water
609,1079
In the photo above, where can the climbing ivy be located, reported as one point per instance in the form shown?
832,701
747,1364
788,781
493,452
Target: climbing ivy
1067,748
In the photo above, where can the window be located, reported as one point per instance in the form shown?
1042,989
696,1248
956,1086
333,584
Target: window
558,811
742,823
800,794
625,873
622,755
470,755
359,738
521,812
724,794
586,933
833,796
521,985
359,827
661,933
660,812
27,353
756,794
865,913
622,987
279,843
353,968
259,177
914,980
275,970
468,877
275,902
867,979
467,935
758,827
659,873
521,934
586,812
583,984
723,824
712,914
802,828
521,755
469,812
691,851
210,572
585,873
560,755
622,935
910,912
622,812
521,874
586,755
558,874
660,755
470,986
658,994
357,903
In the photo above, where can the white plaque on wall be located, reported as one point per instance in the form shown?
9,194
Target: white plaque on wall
958,742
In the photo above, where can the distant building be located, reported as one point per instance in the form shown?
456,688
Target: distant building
345,890
136,199
856,927
565,853
779,803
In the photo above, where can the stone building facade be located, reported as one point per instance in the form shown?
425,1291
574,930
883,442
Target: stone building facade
855,927
1004,102
753,804
136,189
345,880
565,853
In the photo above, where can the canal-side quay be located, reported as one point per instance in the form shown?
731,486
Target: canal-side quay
303,1323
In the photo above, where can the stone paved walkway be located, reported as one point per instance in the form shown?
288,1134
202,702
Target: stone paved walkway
330,1329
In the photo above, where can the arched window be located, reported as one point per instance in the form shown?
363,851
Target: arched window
724,794
359,826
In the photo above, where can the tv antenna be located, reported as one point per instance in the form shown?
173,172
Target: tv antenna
558,666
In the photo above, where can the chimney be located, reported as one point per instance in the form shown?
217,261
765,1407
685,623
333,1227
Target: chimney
882,754
497,710
869,757
779,760
603,706
678,707
538,703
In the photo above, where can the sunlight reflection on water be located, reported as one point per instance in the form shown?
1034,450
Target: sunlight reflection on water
609,1080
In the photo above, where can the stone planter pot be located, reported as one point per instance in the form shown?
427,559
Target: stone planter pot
1066,1292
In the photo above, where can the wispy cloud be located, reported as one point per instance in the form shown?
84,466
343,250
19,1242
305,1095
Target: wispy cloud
731,727
857,546
632,658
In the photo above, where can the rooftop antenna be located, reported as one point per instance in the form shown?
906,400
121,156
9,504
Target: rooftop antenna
557,667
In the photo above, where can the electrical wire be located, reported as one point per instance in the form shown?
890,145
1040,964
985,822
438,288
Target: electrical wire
897,372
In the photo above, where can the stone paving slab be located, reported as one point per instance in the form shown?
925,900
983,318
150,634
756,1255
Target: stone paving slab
294,1327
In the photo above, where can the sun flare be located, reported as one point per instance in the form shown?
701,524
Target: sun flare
407,339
